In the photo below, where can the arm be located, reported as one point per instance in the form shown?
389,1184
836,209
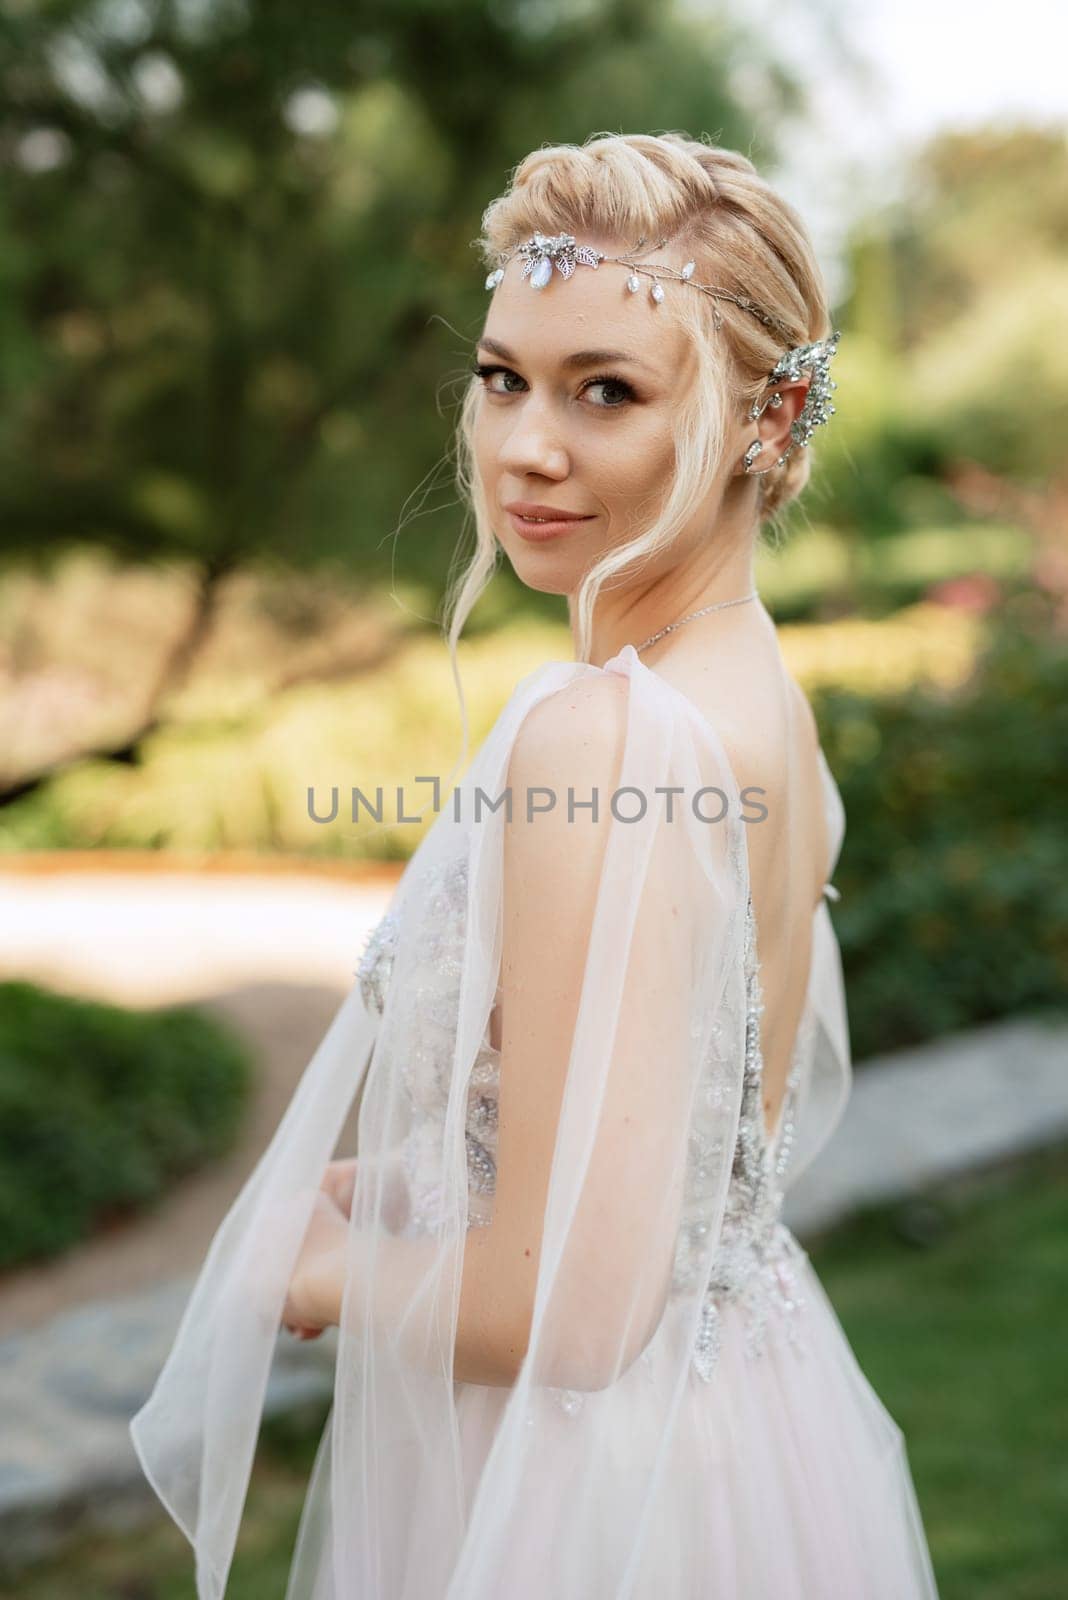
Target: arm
314,1299
562,981
613,944
488,1347
595,994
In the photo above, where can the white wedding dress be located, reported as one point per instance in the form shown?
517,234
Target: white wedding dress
689,1421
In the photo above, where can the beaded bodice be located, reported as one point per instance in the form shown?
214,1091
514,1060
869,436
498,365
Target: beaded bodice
756,1256
433,1010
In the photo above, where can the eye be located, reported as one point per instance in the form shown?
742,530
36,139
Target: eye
611,383
485,372
602,381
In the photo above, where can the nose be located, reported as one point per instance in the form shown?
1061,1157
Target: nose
533,445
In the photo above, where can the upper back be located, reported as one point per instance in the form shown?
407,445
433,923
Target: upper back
737,679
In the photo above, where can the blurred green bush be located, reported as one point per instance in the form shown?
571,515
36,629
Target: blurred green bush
954,868
101,1109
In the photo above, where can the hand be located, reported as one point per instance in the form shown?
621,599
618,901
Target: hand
307,1310
339,1181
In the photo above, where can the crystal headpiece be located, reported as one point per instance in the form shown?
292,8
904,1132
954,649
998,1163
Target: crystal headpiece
542,253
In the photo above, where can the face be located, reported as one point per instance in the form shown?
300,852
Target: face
580,381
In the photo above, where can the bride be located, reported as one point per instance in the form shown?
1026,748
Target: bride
600,1029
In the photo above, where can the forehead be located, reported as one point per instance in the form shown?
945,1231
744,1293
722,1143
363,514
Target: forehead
591,310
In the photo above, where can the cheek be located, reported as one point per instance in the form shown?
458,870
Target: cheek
485,444
631,461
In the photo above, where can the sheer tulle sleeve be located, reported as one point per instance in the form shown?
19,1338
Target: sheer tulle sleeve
827,1067
558,1051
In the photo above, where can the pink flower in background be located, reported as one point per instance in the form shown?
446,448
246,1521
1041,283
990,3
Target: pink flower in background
976,592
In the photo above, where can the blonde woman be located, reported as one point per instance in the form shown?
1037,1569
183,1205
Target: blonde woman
601,1028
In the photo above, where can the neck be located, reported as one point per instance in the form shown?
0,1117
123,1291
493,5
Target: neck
629,615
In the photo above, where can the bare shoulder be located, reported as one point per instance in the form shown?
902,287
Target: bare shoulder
564,767
573,735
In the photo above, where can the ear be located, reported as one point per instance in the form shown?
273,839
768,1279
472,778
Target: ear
777,411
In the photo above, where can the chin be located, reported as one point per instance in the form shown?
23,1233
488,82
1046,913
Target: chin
548,575
543,579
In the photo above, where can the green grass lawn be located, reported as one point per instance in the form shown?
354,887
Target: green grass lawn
962,1334
955,1308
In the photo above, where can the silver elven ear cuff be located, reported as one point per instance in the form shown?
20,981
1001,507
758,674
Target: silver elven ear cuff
544,253
814,358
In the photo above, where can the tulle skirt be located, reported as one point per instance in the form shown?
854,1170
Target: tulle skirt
786,1479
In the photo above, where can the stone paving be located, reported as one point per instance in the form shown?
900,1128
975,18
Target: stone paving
71,1379
952,1106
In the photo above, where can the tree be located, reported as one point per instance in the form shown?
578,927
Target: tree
954,371
236,240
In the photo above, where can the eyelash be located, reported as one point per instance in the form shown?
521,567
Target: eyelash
482,371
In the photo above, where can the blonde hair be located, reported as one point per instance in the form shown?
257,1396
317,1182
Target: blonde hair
744,237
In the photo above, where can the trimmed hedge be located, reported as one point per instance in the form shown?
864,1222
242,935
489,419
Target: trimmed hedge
102,1108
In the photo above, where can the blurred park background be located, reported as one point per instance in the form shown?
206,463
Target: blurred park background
238,298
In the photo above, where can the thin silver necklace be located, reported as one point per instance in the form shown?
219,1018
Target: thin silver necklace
653,637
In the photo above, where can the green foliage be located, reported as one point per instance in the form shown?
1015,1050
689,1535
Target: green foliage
101,1109
859,464
237,252
954,872
955,295
823,572
990,384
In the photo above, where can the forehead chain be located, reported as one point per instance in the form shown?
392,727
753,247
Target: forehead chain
543,254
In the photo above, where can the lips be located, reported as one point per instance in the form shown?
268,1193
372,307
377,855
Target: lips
538,524
530,512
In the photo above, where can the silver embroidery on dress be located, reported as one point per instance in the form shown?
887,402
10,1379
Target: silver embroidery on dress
376,963
434,997
756,1258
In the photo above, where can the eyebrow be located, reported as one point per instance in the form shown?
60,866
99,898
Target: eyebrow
581,358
